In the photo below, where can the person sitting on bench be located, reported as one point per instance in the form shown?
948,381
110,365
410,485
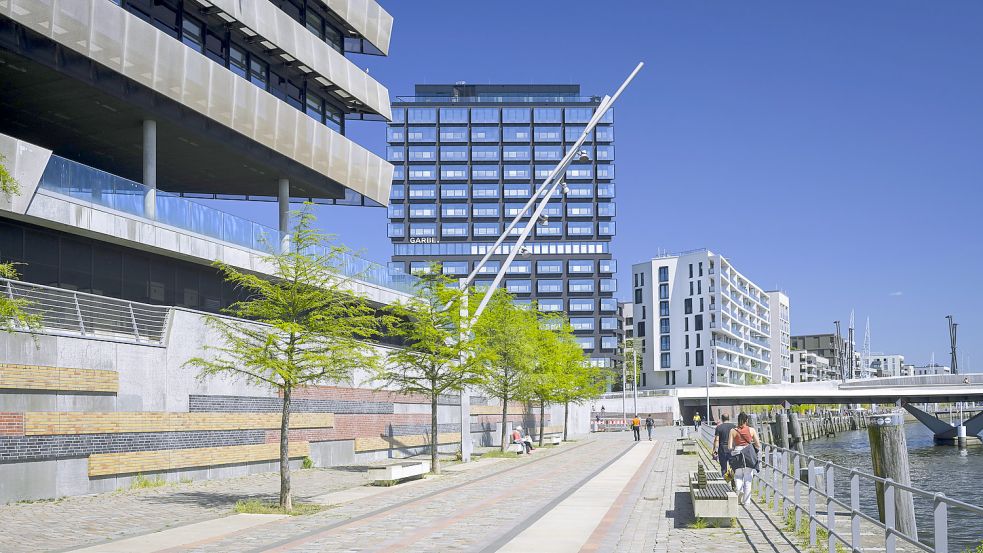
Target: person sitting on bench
525,442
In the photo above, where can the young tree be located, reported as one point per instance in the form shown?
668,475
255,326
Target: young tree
300,327
547,374
580,381
435,359
14,312
505,337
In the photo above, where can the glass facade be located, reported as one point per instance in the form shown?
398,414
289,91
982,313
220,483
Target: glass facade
466,168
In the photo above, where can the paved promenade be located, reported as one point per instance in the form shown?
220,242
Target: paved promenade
600,494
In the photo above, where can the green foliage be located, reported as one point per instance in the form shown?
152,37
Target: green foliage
699,524
8,184
977,549
142,482
505,341
14,312
307,463
257,507
303,326
436,358
499,454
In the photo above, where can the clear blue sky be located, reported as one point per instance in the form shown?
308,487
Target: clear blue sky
832,149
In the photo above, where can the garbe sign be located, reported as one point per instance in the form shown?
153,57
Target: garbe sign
424,240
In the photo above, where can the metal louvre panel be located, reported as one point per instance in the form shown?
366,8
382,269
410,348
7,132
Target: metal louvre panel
272,24
368,18
108,34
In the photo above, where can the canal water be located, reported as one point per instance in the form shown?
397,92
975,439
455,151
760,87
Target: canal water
936,468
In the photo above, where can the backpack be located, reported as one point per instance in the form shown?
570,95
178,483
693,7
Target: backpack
744,457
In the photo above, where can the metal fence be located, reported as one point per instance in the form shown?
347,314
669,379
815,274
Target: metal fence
781,481
70,312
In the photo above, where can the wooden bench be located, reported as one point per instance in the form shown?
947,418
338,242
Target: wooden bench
398,472
713,499
555,439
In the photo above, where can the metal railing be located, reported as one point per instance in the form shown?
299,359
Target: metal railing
779,480
79,313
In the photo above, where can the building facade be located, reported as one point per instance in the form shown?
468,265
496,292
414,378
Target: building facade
929,369
698,318
780,341
884,364
809,367
469,157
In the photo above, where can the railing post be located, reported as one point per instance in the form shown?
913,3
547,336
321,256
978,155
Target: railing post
855,510
78,312
812,503
785,463
941,516
133,320
795,491
890,540
830,509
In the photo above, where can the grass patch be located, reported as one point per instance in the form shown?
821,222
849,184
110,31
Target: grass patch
699,524
496,454
257,507
141,482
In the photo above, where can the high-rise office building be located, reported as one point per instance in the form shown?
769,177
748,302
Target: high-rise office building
468,158
696,318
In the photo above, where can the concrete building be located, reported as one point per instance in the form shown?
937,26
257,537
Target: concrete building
697,317
113,115
809,367
626,334
930,369
780,341
468,158
886,365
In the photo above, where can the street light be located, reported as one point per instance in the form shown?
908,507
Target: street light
549,187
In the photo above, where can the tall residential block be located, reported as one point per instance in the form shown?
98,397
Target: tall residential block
887,364
698,318
468,158
781,336
833,348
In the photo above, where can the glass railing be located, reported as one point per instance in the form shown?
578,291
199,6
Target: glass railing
91,185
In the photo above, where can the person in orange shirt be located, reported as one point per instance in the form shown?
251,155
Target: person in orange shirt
636,427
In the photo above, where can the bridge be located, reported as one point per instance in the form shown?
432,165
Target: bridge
904,391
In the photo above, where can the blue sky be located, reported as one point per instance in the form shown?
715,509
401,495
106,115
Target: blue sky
831,149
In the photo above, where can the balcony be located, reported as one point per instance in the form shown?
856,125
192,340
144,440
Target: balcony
80,183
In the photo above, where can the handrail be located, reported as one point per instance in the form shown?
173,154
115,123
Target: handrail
84,314
778,460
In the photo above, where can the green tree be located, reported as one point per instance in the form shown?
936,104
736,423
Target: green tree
300,327
14,312
580,381
434,359
505,337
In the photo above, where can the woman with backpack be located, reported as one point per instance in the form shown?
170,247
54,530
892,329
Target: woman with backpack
744,446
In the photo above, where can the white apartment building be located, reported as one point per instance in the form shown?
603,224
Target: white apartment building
930,369
698,318
883,364
781,336
809,367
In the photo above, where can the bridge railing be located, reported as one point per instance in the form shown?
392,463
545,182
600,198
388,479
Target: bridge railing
819,503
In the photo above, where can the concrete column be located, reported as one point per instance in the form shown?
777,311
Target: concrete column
150,168
889,453
283,202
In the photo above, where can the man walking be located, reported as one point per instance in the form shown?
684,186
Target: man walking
649,423
636,427
720,436
696,422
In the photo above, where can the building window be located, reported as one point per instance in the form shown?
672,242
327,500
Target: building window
663,309
663,291
453,153
699,358
582,323
663,274
687,358
484,115
698,322
515,115
638,295
421,115
664,325
664,343
549,286
640,329
453,115
688,306
665,364
550,306
191,34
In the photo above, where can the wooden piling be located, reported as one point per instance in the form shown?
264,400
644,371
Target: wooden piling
889,453
781,430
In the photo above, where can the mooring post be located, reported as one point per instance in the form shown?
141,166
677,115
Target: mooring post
889,453
781,430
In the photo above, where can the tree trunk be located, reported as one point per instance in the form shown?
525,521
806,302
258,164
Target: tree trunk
434,459
505,414
542,421
566,418
285,501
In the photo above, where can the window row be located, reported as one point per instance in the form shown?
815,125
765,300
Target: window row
497,115
460,230
481,248
551,267
496,190
461,210
539,133
492,153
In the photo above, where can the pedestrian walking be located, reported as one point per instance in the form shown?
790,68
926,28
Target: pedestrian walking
721,437
744,446
636,427
696,422
649,424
